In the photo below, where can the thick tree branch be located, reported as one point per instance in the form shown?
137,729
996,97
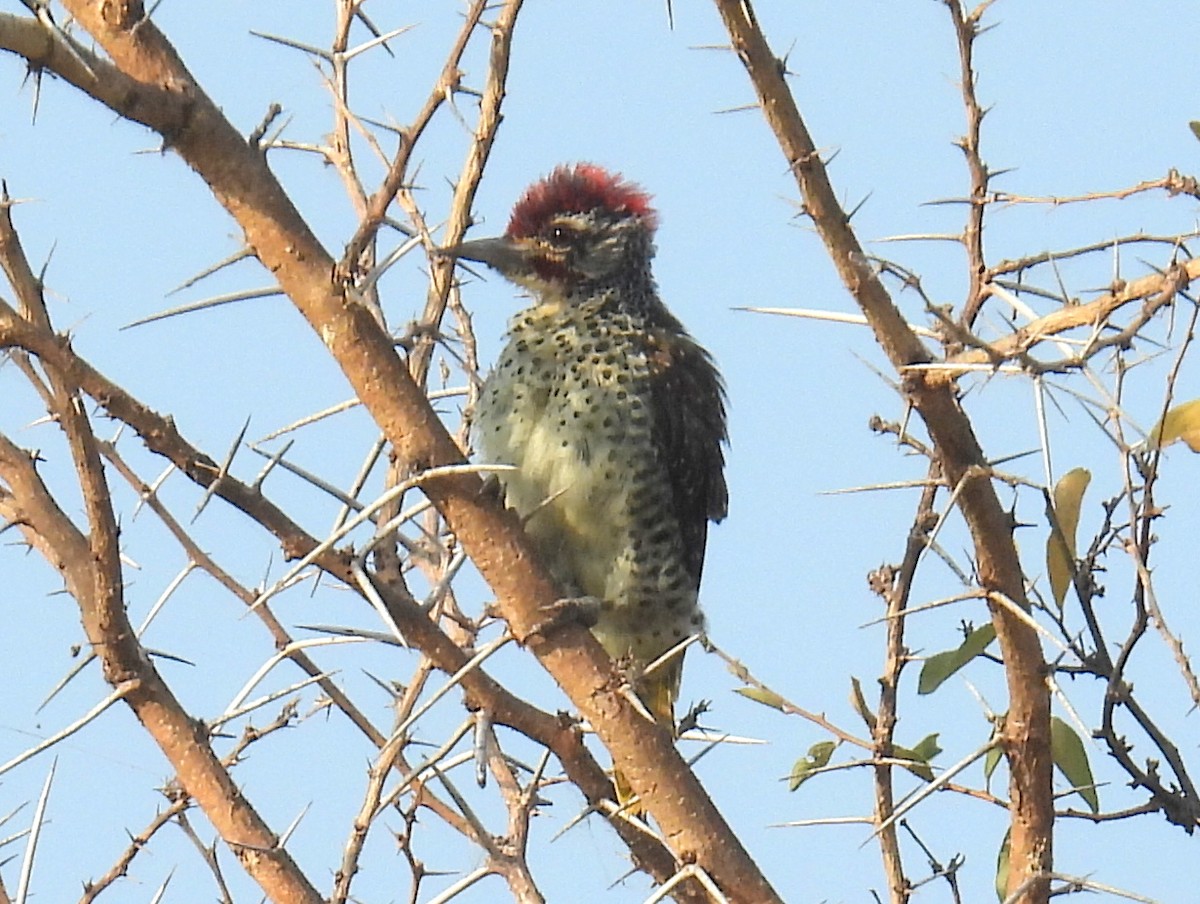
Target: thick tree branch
162,437
127,667
1026,735
152,86
91,568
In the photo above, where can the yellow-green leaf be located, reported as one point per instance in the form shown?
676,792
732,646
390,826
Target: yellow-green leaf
991,760
859,701
1070,757
1002,866
763,696
927,748
1060,548
817,758
1181,422
940,666
1195,127
919,756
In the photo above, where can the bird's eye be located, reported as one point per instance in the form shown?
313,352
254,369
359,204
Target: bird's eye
560,235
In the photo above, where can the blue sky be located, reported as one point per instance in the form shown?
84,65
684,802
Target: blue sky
1084,96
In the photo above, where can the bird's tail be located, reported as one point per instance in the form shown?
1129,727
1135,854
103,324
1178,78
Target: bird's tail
658,692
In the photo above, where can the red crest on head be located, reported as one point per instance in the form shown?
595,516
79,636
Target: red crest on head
578,189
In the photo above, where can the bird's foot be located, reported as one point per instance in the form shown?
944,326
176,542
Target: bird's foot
492,488
692,718
571,610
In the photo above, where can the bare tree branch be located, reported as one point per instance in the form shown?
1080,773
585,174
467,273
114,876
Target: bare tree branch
150,84
1026,735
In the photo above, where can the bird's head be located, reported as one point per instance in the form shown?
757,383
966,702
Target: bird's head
579,225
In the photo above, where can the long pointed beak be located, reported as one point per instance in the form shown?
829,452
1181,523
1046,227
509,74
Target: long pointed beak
500,253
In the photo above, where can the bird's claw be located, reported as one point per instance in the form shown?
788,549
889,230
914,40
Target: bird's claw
571,610
492,488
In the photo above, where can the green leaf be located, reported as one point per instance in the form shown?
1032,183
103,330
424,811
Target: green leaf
1195,127
940,666
927,748
763,696
1070,757
1060,547
817,758
1180,423
859,702
920,756
991,760
1002,866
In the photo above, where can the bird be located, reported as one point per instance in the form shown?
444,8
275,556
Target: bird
613,419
